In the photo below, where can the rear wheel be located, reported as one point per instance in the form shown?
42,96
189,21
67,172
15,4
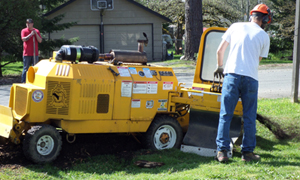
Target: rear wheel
42,144
164,133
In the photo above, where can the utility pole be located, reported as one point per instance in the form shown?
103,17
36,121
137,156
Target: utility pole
248,9
296,55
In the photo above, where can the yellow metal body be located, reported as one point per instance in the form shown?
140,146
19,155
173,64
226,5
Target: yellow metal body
90,98
104,98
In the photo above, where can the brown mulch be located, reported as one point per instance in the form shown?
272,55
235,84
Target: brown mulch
10,79
124,147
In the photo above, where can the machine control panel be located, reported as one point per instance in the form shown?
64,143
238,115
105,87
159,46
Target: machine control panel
153,73
166,73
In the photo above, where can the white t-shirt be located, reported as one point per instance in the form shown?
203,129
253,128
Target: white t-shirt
248,41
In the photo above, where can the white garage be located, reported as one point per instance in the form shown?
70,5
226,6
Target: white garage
123,26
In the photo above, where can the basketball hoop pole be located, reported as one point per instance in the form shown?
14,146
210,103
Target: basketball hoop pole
101,32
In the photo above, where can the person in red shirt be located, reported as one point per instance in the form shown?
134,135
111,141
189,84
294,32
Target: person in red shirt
30,37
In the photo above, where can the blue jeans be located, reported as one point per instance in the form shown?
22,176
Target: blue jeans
233,86
27,61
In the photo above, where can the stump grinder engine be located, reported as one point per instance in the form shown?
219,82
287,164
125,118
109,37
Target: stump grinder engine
79,91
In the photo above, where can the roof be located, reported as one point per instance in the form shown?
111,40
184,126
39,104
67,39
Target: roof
131,1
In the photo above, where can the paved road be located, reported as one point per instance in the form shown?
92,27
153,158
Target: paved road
4,94
274,82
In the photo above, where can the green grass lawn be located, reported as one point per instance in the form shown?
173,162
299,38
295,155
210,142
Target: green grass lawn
13,68
280,158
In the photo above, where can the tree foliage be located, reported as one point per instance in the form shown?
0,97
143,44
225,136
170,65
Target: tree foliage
283,25
218,13
174,10
13,15
52,25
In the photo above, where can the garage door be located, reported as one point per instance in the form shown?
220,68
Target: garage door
124,37
88,35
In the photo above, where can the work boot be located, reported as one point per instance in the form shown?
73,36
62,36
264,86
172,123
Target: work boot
250,156
222,156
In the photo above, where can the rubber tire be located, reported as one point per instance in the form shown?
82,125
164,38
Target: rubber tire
30,143
156,124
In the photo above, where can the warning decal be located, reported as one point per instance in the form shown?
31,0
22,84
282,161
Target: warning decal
139,87
168,86
147,72
126,88
198,89
123,71
162,104
135,103
152,87
149,104
132,70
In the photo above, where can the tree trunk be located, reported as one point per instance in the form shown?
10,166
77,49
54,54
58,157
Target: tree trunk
248,10
178,39
1,75
193,28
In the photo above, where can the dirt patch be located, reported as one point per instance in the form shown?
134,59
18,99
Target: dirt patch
274,127
124,147
10,79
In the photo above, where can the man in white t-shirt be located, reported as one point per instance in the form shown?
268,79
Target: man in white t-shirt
249,43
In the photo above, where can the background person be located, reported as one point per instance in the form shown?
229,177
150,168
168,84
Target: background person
28,36
249,43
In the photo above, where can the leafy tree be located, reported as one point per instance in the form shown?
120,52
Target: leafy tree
13,15
283,25
220,14
174,10
51,25
215,13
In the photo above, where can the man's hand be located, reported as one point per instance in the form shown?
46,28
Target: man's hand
219,72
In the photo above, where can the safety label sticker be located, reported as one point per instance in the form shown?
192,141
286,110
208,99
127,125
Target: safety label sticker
168,86
135,103
197,89
126,87
152,87
139,87
124,71
162,104
147,72
37,96
132,70
149,104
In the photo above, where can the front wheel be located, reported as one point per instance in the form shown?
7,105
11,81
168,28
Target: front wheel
42,144
164,133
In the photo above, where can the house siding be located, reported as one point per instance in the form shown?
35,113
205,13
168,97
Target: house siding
124,18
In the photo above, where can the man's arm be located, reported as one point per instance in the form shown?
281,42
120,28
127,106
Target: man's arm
260,58
221,51
220,56
38,36
26,38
